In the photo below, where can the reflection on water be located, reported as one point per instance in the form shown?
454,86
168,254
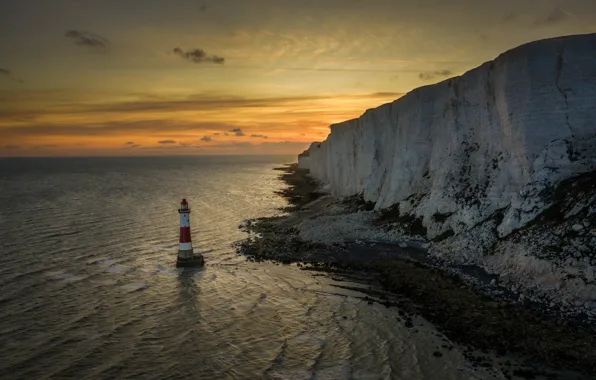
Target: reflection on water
88,286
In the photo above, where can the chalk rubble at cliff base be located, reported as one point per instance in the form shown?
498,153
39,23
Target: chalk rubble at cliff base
497,167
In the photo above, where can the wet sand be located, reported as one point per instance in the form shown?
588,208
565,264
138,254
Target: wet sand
465,314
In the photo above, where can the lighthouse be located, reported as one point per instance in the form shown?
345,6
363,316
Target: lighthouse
186,255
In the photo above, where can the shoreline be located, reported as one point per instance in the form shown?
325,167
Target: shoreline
460,301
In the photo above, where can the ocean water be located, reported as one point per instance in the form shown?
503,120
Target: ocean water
89,287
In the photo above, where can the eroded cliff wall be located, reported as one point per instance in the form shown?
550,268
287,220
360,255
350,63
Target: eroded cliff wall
499,138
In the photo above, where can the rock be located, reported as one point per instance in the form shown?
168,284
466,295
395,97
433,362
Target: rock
489,149
366,155
574,271
403,245
493,281
504,278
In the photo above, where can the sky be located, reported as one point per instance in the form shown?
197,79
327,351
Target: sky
151,77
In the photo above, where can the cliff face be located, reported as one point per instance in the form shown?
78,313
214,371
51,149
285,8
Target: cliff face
497,140
304,159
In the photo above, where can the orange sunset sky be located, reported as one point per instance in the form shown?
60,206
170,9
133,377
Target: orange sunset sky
146,77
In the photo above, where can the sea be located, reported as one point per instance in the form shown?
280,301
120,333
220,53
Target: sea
89,288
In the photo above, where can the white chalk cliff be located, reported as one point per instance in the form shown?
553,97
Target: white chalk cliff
491,145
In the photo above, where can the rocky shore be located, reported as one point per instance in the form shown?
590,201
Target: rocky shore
468,305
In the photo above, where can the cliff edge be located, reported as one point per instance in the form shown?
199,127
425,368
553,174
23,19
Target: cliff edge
497,166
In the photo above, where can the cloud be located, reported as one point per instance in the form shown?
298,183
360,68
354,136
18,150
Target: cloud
433,74
236,131
172,147
167,142
10,147
110,128
206,138
129,143
555,16
234,144
196,102
203,8
84,38
510,17
374,95
198,56
8,73
299,146
259,136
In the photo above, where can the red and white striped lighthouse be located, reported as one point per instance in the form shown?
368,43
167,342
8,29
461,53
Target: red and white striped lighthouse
186,255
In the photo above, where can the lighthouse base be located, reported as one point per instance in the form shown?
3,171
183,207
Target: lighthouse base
188,258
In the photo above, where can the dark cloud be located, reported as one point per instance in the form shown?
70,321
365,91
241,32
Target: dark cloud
283,147
237,132
235,144
510,17
203,8
383,95
206,138
129,143
198,56
84,38
8,73
555,16
113,128
192,103
171,147
216,134
167,142
259,136
8,147
433,74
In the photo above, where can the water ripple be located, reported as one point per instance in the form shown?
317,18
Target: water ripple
88,286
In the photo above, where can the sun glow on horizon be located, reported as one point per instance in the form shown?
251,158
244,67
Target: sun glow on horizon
200,124
147,77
